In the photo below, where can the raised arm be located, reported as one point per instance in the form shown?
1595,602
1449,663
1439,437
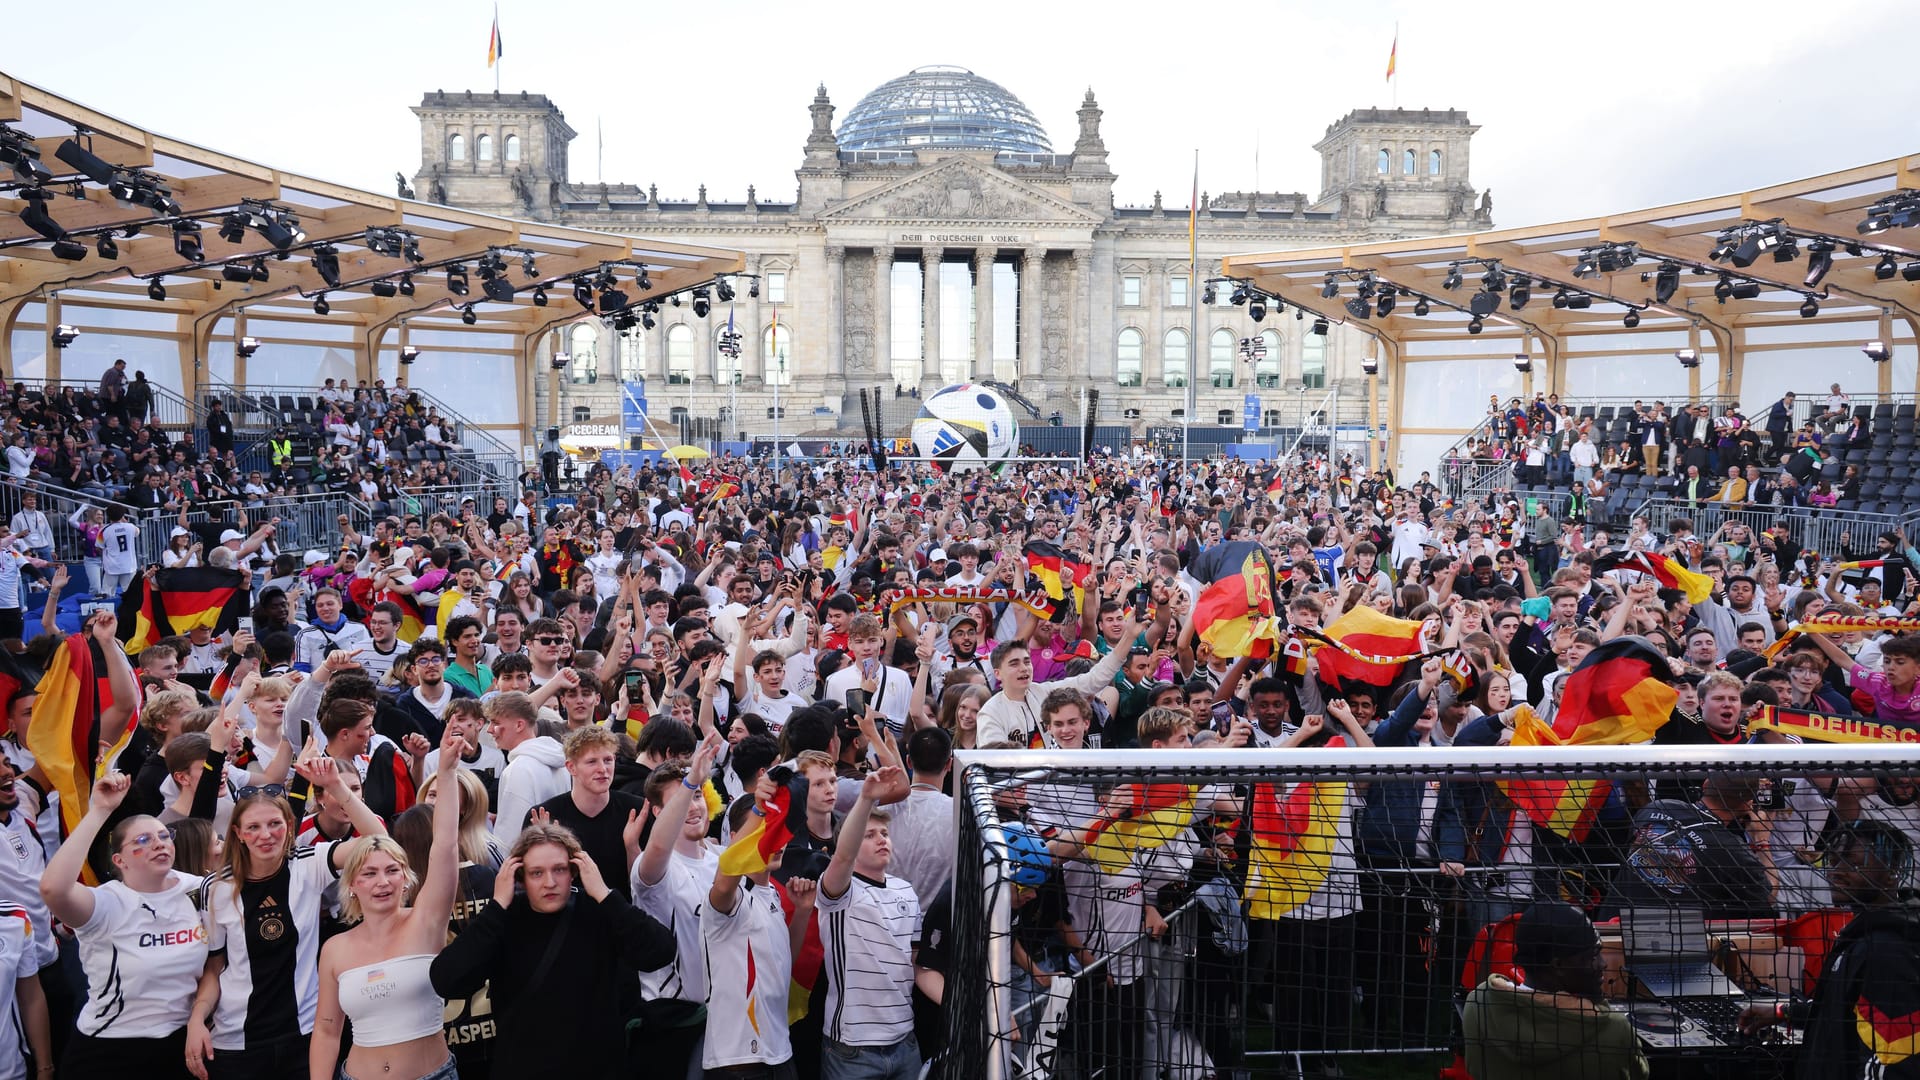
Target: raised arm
70,901
434,901
839,873
652,867
126,693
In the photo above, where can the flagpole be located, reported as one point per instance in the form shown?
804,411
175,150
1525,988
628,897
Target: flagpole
1396,63
500,58
1193,297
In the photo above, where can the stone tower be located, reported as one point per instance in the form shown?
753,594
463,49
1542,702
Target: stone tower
1406,163
496,153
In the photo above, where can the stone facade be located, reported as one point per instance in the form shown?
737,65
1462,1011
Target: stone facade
1095,286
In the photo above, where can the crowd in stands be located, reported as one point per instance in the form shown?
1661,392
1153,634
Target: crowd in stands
1711,454
455,803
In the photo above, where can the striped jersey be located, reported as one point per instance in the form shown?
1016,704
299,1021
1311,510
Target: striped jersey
868,934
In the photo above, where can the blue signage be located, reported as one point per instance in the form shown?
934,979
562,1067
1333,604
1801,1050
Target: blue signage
633,406
1250,419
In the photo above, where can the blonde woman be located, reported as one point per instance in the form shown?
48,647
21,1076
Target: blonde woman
377,972
477,845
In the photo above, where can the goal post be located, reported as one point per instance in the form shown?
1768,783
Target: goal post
1239,909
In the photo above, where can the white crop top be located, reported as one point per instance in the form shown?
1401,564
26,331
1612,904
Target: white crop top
392,1002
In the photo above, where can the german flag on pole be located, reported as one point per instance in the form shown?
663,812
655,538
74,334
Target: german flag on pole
1045,561
1294,836
1668,572
1619,694
162,603
1386,643
765,836
1234,614
1276,487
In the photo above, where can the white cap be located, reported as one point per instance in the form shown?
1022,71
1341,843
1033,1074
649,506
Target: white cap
937,555
313,558
179,531
231,535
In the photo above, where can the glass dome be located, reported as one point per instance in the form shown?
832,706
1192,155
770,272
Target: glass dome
942,106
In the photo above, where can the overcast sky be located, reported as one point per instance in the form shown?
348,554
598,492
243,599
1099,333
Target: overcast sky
1584,109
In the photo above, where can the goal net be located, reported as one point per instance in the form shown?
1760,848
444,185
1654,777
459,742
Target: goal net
1201,913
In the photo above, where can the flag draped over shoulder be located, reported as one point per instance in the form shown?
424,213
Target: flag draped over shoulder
764,837
1235,613
1046,562
413,622
1160,813
1294,839
65,734
162,603
1365,649
1668,572
1618,695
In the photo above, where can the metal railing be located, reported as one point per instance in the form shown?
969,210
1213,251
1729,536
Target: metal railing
1817,529
1473,479
168,409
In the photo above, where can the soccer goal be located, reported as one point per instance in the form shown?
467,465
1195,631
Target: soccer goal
1201,913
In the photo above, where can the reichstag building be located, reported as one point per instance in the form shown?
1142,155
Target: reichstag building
937,235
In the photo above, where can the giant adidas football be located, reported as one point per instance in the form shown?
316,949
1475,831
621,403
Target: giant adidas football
966,426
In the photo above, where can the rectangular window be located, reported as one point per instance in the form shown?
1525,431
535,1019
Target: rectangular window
777,288
1177,291
1313,362
1130,291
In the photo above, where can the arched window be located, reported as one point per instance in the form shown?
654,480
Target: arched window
1433,163
457,148
1406,163
1313,361
1173,358
1266,370
1386,162
583,341
483,148
680,354
1127,357
1220,357
513,148
776,355
633,356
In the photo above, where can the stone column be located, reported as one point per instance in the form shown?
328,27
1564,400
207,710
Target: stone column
882,363
836,312
1082,365
983,259
930,314
1033,264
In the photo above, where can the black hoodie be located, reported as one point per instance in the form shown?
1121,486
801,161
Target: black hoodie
1869,983
568,1023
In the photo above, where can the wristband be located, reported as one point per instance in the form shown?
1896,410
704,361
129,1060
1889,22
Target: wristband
689,785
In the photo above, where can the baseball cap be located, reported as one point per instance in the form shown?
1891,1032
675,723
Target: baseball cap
1550,930
937,555
231,535
955,622
462,564
313,558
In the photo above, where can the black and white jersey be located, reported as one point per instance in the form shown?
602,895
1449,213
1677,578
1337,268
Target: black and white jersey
1108,909
269,931
143,954
868,934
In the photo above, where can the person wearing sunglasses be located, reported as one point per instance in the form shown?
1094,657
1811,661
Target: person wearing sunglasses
140,940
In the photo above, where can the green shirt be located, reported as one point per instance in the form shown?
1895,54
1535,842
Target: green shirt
472,684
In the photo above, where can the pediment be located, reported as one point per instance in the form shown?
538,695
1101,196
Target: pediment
958,190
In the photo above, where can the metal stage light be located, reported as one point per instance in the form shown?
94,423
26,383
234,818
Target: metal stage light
69,250
155,290
326,263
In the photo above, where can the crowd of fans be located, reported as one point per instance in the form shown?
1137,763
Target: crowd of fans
494,849
1714,454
